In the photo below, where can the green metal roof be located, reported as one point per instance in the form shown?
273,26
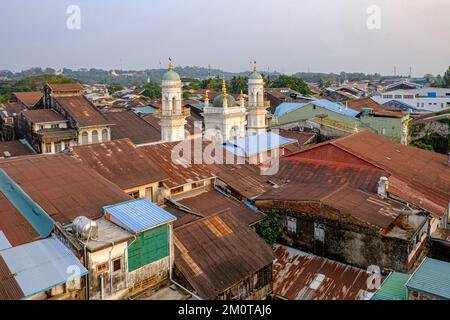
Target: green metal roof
432,277
171,76
29,209
255,76
393,288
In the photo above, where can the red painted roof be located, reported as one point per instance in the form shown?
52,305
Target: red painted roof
30,99
418,176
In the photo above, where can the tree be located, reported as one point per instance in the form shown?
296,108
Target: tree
114,88
446,79
269,229
291,82
239,83
152,90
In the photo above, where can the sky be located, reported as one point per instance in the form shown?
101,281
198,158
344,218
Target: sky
283,35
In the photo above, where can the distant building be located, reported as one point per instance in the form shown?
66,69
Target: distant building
425,99
80,113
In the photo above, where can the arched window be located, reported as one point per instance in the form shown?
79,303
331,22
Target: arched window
234,132
94,136
84,138
105,137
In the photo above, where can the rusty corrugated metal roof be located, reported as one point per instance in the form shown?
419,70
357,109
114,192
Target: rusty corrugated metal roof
301,276
128,124
62,186
217,252
82,111
211,202
14,226
120,162
366,208
9,288
245,179
30,99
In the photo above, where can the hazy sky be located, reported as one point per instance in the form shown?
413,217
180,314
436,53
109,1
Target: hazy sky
283,35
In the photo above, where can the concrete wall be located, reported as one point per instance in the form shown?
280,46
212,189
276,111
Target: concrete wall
344,241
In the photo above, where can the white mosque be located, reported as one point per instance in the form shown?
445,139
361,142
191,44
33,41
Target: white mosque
225,119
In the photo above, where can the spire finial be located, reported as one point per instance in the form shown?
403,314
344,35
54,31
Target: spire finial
170,64
241,95
254,66
224,87
206,95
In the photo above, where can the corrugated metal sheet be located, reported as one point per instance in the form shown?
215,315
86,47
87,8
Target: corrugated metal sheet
365,207
9,288
120,162
393,288
62,186
302,276
432,277
4,243
30,210
286,107
137,215
217,252
41,265
256,144
335,107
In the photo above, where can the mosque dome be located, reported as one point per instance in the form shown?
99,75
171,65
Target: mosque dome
171,76
255,76
218,101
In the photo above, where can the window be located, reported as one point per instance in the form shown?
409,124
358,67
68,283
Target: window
319,232
198,184
55,126
48,148
41,127
105,136
134,194
102,267
57,147
84,138
66,145
94,136
177,190
292,224
117,264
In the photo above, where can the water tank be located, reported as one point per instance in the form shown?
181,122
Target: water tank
85,227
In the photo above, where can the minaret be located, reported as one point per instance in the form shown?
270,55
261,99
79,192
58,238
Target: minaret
256,120
172,116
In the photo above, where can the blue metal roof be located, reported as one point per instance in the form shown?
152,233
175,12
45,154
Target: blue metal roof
29,209
403,105
137,215
431,277
335,107
145,110
41,265
256,144
286,107
4,243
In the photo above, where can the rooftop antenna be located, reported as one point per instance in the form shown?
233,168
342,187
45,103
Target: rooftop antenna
410,72
160,64
395,71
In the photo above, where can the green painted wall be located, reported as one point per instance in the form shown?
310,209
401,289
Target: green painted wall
309,112
393,126
150,246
